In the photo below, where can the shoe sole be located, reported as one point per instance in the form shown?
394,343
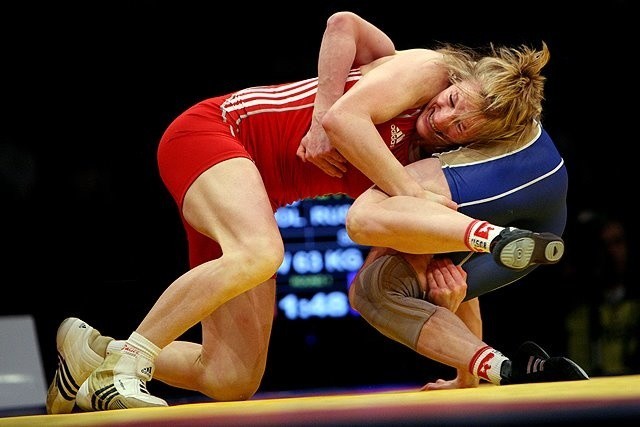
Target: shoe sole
109,398
61,395
101,392
531,248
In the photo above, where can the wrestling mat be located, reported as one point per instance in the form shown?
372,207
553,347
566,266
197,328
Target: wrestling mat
611,401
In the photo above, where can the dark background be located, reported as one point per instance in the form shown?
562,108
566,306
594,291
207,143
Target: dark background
89,231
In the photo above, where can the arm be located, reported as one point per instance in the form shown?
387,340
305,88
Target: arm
348,41
406,80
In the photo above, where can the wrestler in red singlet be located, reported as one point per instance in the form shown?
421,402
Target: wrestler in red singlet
265,124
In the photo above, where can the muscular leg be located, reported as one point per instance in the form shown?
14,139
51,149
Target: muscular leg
228,203
388,292
406,224
446,339
230,363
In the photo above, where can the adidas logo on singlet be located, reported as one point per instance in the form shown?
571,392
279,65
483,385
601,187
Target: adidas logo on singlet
396,136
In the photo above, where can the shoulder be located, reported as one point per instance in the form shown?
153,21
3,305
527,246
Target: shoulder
418,53
412,57
418,56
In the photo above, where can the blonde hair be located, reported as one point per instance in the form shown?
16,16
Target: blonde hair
511,88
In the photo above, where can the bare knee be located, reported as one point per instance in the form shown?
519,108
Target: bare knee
231,388
358,225
260,258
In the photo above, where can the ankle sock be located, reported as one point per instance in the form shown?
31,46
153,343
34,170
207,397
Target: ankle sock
137,344
115,345
480,234
486,364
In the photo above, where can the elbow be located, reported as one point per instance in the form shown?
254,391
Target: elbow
331,123
330,120
342,22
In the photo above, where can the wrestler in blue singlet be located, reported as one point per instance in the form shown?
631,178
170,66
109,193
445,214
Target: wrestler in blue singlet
523,186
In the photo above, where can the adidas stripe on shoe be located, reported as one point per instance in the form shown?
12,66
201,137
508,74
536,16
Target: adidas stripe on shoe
118,383
531,364
76,361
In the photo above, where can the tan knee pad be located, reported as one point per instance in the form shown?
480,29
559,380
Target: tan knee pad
388,296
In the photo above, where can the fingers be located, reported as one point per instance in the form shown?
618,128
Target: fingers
331,170
442,276
301,152
337,169
339,163
332,163
461,381
439,275
450,275
439,385
440,199
446,283
445,201
327,167
331,159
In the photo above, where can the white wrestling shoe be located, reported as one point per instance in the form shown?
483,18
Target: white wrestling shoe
76,361
119,383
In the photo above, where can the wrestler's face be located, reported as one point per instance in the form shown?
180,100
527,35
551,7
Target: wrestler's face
436,124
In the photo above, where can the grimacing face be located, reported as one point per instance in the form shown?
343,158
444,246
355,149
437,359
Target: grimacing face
436,124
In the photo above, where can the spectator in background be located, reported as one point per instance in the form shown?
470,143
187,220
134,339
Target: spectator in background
603,329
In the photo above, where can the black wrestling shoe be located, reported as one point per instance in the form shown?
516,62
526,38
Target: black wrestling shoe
532,364
518,249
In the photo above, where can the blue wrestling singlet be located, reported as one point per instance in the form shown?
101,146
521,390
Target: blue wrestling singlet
522,185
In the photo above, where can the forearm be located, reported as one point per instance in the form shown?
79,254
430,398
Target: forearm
355,136
391,87
336,58
348,41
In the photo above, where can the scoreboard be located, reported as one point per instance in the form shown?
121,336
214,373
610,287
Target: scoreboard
320,259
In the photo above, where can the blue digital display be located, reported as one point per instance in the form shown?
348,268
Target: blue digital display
320,259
